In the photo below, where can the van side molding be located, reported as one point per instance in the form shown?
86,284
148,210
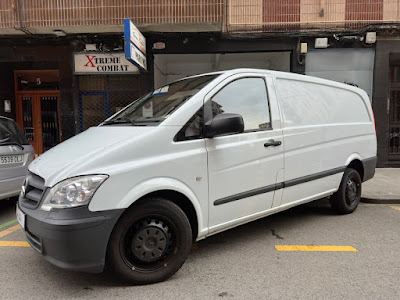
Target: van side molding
280,185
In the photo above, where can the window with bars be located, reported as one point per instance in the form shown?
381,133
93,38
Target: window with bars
27,117
50,122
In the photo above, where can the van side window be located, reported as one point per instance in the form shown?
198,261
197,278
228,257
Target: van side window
246,97
193,129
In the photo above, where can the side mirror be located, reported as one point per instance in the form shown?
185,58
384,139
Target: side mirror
224,124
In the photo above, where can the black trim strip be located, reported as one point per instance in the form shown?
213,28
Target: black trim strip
239,196
278,186
312,177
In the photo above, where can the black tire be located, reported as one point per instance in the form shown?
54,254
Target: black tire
348,196
150,242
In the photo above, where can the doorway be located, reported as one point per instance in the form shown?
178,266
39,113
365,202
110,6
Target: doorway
37,99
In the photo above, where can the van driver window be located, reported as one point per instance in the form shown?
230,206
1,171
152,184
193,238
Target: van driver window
246,97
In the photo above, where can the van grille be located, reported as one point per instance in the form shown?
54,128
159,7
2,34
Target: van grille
34,188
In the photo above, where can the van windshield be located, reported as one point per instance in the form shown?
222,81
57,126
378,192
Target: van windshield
158,105
10,134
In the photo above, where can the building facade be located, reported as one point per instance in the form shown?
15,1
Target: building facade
63,68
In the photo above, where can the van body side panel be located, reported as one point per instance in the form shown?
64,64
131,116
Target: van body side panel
323,126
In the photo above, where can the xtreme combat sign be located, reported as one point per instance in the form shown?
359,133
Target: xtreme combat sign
103,63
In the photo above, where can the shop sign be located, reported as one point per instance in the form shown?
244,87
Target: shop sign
103,63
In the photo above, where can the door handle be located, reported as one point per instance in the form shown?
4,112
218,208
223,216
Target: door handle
272,143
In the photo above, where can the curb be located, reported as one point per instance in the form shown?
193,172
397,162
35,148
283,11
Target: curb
380,201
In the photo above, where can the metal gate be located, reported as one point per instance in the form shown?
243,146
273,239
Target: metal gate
102,96
37,102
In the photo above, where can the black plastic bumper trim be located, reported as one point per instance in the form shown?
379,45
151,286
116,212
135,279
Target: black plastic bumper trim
369,165
74,239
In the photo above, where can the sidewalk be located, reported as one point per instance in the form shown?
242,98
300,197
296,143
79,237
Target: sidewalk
383,188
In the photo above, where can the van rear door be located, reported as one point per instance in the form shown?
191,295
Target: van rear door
243,167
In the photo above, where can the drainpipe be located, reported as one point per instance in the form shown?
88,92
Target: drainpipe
20,14
17,8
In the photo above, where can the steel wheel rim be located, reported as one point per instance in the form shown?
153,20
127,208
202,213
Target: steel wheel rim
351,191
151,242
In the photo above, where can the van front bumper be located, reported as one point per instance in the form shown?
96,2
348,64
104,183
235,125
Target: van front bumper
74,238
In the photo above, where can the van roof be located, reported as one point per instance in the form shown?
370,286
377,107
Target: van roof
286,75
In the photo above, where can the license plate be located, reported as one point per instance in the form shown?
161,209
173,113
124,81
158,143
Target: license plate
20,217
11,159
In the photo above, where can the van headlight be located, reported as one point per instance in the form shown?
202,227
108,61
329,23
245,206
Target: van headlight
73,192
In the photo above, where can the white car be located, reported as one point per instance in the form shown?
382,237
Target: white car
15,155
191,159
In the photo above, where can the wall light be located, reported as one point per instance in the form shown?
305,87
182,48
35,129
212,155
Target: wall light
59,32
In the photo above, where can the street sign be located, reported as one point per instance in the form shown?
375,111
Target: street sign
135,56
134,45
132,34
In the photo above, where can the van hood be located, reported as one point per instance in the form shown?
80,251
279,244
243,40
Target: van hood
73,156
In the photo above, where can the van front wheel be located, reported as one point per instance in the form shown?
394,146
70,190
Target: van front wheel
150,242
348,196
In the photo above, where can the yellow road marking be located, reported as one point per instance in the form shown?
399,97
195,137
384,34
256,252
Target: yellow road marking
9,230
396,207
314,248
13,244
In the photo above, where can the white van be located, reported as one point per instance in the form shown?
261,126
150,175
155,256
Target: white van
191,159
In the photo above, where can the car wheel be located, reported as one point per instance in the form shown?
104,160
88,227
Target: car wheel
348,196
150,242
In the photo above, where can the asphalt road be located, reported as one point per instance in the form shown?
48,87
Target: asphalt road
241,263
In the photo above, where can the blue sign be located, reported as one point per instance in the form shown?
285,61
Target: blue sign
135,45
135,56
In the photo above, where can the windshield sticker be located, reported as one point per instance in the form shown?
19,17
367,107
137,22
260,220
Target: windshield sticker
161,91
148,109
156,92
165,89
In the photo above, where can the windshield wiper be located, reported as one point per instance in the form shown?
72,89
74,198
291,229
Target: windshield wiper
12,144
119,121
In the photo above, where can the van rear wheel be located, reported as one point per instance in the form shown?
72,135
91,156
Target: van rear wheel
150,242
348,196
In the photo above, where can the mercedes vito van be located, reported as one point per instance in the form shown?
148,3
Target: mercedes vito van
191,159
